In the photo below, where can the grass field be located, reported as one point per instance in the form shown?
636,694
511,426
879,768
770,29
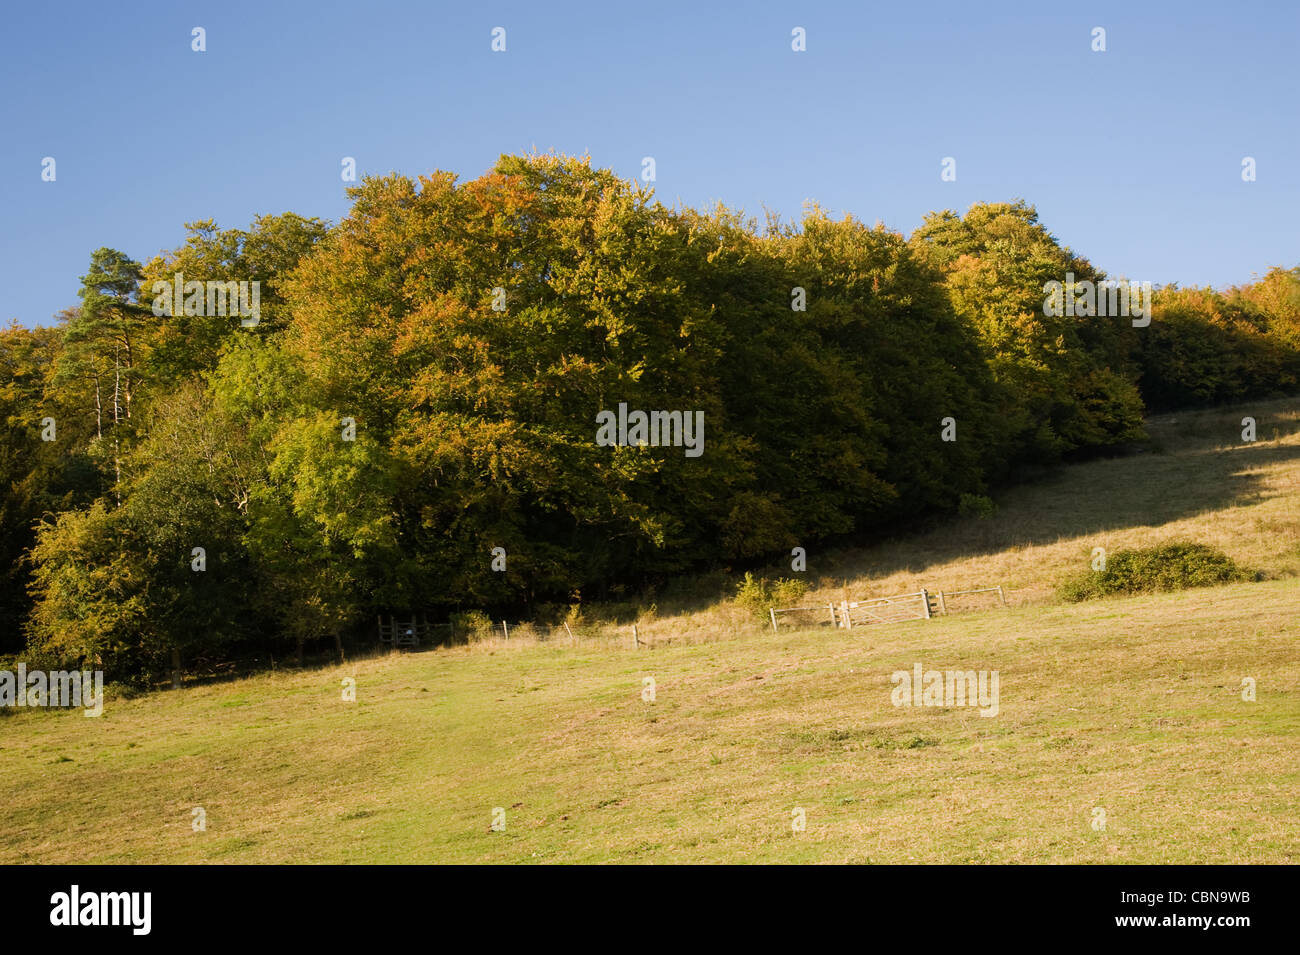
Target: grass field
1128,705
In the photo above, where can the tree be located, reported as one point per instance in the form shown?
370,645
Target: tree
43,468
108,329
267,253
1067,384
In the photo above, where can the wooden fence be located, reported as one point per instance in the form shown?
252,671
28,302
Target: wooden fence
408,630
861,613
412,630
921,605
945,596
806,616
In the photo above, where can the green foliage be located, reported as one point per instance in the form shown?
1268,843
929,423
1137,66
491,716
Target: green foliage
473,626
38,478
788,592
1063,384
756,595
487,417
267,252
90,595
976,505
1172,566
119,585
1205,347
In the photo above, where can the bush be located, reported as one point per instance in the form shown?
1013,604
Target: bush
472,625
788,593
1172,566
756,594
752,595
976,505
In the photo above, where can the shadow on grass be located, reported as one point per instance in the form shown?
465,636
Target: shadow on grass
1187,478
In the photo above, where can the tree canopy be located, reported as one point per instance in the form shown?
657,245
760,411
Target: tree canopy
426,381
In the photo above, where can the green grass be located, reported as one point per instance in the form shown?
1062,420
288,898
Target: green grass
1132,705
1129,704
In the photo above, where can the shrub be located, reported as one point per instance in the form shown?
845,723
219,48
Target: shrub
757,594
472,625
976,505
788,592
752,595
1172,566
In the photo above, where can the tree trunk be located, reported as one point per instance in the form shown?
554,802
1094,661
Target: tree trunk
176,668
130,368
338,645
117,473
117,417
99,410
299,651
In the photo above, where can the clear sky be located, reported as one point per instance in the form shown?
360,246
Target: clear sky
1132,156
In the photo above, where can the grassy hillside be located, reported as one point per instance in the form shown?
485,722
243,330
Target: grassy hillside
1196,480
1129,705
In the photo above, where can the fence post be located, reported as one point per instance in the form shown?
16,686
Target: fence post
848,617
505,628
834,623
772,612
570,632
1002,595
636,641
925,603
943,604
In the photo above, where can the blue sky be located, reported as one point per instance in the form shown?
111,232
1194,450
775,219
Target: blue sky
1132,156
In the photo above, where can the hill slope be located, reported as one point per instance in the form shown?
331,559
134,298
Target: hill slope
1132,706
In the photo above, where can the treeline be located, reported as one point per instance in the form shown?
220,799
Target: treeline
422,384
